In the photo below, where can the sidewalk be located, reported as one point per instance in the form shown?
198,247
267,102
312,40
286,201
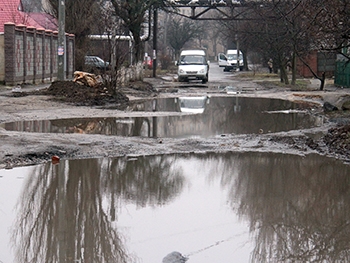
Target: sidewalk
22,88
160,80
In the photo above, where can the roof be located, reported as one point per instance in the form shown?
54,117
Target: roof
44,20
11,11
193,52
233,51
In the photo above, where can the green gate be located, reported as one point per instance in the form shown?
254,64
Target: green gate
342,74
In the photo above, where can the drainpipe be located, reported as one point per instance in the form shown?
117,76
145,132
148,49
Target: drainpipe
146,35
124,38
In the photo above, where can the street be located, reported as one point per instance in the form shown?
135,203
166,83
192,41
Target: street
217,74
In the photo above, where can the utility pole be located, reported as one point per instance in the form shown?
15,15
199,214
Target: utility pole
61,39
155,24
237,46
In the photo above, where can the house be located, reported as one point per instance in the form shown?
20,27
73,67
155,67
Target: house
12,11
319,62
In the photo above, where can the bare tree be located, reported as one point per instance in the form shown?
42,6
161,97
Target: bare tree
329,29
331,26
271,35
277,30
80,20
133,14
290,30
181,31
32,5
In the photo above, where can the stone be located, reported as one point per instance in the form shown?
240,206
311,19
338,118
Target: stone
174,257
346,105
328,107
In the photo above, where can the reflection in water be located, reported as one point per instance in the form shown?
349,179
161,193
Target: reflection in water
297,208
223,115
193,104
145,182
62,219
62,216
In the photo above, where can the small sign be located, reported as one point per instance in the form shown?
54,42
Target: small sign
60,51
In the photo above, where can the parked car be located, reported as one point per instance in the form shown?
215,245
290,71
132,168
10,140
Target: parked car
94,62
193,64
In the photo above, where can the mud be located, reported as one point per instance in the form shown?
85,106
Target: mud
69,100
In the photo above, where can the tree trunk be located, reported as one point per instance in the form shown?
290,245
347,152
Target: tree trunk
294,68
284,76
323,80
283,72
138,47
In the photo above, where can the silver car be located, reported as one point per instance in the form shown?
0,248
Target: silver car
94,62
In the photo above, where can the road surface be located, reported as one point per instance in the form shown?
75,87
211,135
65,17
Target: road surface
217,74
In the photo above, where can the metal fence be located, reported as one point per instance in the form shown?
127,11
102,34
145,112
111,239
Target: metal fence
342,74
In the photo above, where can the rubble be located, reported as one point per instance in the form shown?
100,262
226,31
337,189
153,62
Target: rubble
86,79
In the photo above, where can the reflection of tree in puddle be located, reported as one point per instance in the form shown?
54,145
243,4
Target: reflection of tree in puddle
298,208
62,215
144,181
138,126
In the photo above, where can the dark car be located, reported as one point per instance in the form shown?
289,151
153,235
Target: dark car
94,62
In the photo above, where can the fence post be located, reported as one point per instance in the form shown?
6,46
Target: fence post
10,55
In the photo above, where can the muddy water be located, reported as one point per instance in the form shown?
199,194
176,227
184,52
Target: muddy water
234,207
183,117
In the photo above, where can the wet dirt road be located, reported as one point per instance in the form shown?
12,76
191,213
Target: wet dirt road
226,186
23,148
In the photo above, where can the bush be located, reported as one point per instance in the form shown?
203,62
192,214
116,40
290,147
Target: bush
165,61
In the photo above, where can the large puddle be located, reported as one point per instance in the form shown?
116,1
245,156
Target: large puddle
234,207
187,116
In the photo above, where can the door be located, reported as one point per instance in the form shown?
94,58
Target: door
222,60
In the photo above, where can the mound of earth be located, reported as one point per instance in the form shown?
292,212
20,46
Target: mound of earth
338,140
81,95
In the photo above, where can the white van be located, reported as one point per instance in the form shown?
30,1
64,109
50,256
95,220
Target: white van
229,60
193,64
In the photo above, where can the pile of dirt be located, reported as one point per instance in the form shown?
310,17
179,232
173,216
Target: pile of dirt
338,140
335,142
99,95
81,95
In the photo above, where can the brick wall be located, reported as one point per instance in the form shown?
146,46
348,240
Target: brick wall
319,62
31,55
304,71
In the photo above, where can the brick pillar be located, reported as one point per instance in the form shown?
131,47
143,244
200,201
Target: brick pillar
70,55
47,55
39,54
30,51
54,58
22,53
10,55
